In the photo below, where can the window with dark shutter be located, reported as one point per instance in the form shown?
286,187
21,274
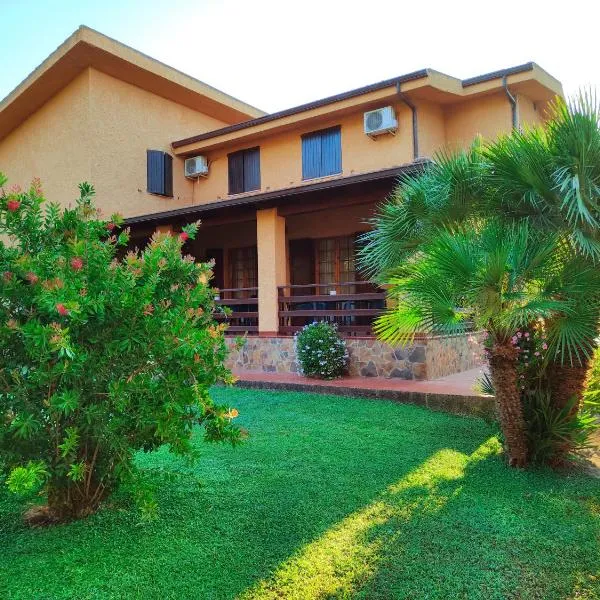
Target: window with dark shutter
244,171
159,172
322,153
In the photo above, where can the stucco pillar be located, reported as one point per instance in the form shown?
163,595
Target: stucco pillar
272,267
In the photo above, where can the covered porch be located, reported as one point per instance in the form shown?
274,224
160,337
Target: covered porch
282,260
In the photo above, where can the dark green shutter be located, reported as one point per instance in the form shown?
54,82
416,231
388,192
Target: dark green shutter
244,171
236,172
159,172
251,169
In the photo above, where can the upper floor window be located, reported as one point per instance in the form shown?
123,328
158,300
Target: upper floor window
322,153
244,171
159,172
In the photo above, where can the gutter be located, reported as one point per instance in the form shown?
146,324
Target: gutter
415,123
513,103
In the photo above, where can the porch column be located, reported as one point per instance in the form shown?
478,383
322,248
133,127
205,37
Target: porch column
271,249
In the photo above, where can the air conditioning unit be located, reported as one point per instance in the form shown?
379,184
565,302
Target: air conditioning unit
196,166
380,121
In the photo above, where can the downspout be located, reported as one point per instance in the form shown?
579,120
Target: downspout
513,103
415,127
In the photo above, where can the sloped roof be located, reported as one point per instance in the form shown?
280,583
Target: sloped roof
89,48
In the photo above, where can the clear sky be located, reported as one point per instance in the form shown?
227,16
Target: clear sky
277,54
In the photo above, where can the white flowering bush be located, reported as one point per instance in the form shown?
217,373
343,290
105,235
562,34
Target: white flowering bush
321,351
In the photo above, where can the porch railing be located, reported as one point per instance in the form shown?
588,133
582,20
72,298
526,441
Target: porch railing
342,303
243,303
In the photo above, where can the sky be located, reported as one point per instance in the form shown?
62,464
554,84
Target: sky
278,54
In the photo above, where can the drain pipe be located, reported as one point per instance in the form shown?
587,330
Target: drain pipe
415,128
513,103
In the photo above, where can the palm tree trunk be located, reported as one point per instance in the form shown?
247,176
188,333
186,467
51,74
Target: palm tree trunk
503,370
567,382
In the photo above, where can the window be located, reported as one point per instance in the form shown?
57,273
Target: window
243,269
244,171
335,262
322,153
159,172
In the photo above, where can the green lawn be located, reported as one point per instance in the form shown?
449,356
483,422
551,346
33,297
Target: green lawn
329,498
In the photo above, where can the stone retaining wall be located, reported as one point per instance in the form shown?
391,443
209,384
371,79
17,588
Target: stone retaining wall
425,359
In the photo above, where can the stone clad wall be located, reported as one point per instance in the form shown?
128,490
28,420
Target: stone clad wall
425,359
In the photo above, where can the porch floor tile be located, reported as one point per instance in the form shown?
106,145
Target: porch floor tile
457,384
454,393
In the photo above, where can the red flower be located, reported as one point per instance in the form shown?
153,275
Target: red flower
184,237
13,205
110,226
76,263
32,277
7,275
62,310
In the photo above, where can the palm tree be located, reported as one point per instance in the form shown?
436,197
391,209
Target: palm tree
546,177
551,177
490,276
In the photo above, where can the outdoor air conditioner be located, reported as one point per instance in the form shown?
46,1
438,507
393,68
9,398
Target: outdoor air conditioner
380,121
196,166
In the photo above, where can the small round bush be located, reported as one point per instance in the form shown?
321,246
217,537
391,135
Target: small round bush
321,352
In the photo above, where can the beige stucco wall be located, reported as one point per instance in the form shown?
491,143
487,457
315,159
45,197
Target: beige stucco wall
126,121
281,154
98,129
486,116
54,144
432,128
528,112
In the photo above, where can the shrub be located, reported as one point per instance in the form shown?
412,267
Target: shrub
592,392
321,352
554,433
99,357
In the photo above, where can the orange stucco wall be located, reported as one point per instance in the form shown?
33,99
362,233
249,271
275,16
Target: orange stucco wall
126,121
440,127
53,144
486,116
281,155
98,129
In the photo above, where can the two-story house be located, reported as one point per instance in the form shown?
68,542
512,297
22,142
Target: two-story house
282,196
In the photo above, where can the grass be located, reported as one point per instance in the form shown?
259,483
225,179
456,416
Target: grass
330,498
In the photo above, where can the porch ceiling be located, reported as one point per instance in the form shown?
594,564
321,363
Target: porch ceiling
314,191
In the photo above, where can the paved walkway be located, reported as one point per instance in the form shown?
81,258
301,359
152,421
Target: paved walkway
454,393
458,384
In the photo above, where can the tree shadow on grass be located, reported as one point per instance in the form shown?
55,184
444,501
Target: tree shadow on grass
449,530
330,497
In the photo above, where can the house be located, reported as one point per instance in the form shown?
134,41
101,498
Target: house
281,196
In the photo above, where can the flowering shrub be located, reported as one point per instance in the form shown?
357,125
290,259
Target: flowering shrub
551,431
321,352
99,357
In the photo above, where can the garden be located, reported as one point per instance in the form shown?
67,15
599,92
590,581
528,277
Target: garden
131,468
329,497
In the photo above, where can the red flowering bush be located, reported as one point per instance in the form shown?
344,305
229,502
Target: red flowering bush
99,357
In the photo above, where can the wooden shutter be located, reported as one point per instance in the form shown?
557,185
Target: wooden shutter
167,174
251,169
311,156
155,171
159,172
331,151
236,172
322,153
